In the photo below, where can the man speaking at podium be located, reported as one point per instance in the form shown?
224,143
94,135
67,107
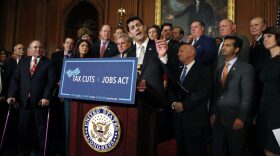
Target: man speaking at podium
34,80
150,73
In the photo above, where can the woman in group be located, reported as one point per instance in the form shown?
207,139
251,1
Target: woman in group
82,49
153,32
269,113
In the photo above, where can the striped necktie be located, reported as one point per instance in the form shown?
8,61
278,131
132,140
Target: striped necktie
33,68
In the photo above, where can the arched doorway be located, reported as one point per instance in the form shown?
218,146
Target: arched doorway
82,14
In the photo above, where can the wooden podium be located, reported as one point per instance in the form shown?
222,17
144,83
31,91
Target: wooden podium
137,126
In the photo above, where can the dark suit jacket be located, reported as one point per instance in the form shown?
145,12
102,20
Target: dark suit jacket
198,83
3,80
235,98
39,86
110,51
206,50
11,66
152,70
125,53
258,54
173,49
57,58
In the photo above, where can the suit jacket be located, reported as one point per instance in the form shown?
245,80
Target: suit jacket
152,70
258,54
195,95
110,51
235,98
173,49
39,86
3,80
57,58
125,53
206,50
257,57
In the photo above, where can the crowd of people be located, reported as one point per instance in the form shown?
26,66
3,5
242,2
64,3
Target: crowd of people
220,89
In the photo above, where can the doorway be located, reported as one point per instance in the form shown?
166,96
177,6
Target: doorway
82,15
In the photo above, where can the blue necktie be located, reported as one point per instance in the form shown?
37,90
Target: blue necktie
183,74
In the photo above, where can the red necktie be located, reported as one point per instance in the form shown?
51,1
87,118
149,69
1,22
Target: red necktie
102,50
32,70
225,73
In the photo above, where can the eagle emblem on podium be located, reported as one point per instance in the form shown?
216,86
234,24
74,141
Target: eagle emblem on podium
101,129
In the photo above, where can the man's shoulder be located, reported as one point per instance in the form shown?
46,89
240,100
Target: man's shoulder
244,66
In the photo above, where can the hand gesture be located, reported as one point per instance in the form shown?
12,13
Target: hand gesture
44,102
11,100
162,47
237,124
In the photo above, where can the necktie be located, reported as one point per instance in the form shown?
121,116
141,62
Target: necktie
194,42
183,74
141,55
225,73
32,70
102,49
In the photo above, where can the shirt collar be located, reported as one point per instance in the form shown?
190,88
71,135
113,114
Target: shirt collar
189,66
145,43
38,58
232,61
259,37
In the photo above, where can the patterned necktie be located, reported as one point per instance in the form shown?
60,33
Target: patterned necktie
183,74
33,68
225,73
102,50
141,55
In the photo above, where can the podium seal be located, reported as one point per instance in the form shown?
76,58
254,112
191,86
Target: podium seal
101,129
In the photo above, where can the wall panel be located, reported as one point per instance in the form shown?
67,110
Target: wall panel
25,20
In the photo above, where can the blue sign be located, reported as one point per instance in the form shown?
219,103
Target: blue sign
107,79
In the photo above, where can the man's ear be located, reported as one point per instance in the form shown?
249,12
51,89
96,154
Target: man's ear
145,28
236,50
129,34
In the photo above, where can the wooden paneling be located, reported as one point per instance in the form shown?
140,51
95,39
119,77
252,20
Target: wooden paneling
25,20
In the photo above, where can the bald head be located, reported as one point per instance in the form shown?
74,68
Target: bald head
186,54
227,27
36,48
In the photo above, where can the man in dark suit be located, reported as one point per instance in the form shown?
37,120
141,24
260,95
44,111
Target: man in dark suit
61,110
7,71
189,94
124,43
150,71
206,49
258,55
233,89
105,47
146,52
34,80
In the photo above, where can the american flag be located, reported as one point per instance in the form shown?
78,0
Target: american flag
278,17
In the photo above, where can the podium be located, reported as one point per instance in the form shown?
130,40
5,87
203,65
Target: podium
137,125
115,86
